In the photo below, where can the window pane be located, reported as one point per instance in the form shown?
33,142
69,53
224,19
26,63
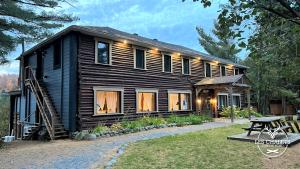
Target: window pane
167,63
185,101
57,55
207,70
140,59
236,101
174,103
108,102
222,101
236,71
103,52
179,101
146,102
186,66
223,70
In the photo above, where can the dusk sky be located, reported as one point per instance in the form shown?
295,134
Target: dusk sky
171,21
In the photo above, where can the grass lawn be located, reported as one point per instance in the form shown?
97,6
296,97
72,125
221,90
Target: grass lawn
204,149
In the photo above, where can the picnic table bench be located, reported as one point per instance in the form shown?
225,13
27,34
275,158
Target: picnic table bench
258,124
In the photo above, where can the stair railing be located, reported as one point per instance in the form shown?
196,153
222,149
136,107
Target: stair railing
43,105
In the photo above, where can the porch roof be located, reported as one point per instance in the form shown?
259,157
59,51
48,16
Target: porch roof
232,80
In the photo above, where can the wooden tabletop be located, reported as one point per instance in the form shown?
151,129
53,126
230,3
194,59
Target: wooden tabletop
265,119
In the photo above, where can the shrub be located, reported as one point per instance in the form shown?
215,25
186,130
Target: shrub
116,127
249,111
100,129
151,121
131,124
237,112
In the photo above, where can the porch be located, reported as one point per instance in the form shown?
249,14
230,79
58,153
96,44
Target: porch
212,94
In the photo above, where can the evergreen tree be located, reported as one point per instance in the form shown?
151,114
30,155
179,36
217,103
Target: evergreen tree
219,44
28,20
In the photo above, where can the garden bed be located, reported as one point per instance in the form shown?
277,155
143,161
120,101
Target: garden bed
142,124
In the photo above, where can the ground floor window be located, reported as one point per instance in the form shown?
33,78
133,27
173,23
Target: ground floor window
147,100
179,101
222,101
107,101
236,100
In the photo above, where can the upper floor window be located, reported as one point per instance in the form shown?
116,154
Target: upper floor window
103,52
139,59
167,63
222,70
57,55
186,66
236,71
207,70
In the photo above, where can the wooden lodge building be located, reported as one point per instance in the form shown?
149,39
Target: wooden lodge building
84,76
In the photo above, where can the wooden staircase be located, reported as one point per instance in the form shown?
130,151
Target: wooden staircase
47,110
30,131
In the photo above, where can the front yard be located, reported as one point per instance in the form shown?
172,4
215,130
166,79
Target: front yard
204,149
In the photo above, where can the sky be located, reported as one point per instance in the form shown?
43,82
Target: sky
170,21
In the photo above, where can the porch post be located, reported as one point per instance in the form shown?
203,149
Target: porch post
248,102
248,98
197,104
231,103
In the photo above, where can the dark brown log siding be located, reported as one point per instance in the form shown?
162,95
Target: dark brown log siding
122,74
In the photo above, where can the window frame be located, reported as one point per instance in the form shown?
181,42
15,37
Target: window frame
221,70
145,90
108,89
222,94
205,69
182,66
145,57
110,43
171,91
240,98
163,62
238,70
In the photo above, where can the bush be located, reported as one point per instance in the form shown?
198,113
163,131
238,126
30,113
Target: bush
116,127
237,112
100,129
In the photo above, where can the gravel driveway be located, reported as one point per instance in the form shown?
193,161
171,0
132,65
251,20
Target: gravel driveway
85,154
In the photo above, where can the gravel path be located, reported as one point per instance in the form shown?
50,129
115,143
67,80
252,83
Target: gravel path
85,154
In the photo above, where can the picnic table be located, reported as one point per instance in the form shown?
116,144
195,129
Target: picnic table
258,124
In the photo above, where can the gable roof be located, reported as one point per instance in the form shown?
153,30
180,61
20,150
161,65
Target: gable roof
110,33
221,80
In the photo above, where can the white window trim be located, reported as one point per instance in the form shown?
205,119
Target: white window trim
146,90
221,70
163,62
182,66
238,71
134,56
112,89
110,43
171,91
205,69
222,94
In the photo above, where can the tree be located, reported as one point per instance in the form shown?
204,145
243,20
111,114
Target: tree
28,20
273,46
222,45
